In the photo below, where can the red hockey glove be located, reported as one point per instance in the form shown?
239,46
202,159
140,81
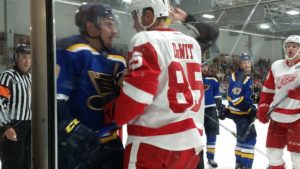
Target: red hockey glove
294,93
109,111
262,112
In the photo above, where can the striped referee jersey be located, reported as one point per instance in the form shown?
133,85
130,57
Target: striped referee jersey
15,96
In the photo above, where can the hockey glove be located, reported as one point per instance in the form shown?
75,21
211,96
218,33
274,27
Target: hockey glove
262,113
294,93
255,98
84,146
223,112
76,135
219,104
208,34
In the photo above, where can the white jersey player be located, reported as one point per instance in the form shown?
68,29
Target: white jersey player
280,102
162,95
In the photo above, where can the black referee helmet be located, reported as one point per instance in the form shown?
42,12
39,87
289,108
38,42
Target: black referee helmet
22,49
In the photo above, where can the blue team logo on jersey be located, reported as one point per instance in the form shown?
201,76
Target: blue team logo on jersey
104,85
236,91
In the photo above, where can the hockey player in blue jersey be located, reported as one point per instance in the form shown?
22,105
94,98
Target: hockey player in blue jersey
87,78
243,112
213,102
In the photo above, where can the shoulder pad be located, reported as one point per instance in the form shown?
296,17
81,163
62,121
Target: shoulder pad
118,58
69,41
213,76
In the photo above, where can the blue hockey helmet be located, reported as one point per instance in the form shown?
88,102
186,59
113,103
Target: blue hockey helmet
245,56
92,12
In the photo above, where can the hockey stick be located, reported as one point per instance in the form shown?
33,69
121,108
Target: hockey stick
248,130
224,127
268,114
235,135
273,107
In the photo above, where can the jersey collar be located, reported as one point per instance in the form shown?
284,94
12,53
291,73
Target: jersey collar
163,29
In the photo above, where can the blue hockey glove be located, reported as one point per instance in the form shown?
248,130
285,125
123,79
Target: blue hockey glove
76,135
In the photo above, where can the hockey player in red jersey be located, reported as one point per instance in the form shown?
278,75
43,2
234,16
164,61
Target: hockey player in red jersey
280,104
162,95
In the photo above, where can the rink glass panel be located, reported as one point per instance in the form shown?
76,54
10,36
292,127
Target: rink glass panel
239,23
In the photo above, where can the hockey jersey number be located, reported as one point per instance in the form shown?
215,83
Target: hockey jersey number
185,91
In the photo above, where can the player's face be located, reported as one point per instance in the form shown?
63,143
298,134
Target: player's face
108,31
204,69
23,62
291,49
246,65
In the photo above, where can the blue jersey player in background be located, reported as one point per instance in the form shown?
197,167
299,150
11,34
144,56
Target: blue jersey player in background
87,78
213,102
243,112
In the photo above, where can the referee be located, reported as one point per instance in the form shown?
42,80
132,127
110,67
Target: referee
15,112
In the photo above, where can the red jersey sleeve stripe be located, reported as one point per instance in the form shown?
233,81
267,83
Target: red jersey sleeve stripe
147,83
266,98
145,76
127,109
269,82
267,90
136,94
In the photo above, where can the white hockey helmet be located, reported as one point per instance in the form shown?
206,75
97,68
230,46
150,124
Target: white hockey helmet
160,9
291,39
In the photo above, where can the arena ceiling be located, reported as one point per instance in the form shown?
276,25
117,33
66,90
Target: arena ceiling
269,18
266,17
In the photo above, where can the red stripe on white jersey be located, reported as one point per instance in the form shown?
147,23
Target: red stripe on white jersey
171,128
287,111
